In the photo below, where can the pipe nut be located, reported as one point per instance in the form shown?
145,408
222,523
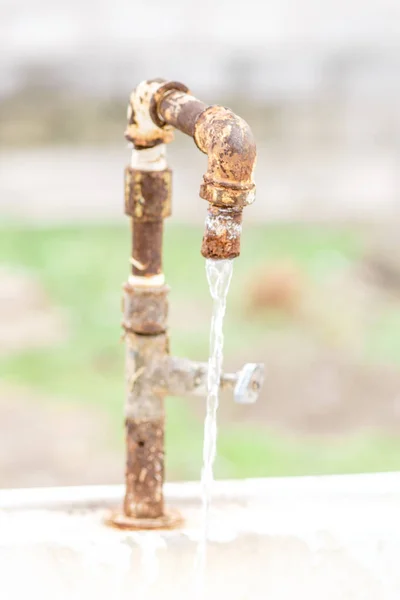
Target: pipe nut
145,309
227,196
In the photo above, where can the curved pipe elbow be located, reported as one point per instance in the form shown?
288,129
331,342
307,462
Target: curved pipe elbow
228,184
218,132
229,143
157,106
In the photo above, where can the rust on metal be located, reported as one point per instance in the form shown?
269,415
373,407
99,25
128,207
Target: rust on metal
171,519
144,476
229,144
158,96
144,468
155,108
148,194
141,130
146,389
228,141
145,309
181,111
222,234
148,202
147,239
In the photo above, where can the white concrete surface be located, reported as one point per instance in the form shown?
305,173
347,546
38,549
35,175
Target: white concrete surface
324,537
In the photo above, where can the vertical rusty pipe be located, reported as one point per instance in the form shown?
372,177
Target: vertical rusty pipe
147,203
145,314
145,424
155,108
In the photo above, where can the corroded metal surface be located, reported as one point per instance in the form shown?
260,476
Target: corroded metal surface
228,182
145,309
148,202
158,96
222,233
151,375
141,129
144,371
145,355
181,111
144,468
228,141
170,519
148,194
146,257
155,108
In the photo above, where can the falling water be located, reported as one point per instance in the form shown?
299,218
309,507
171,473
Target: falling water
219,274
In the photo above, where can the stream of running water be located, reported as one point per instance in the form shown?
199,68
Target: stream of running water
219,274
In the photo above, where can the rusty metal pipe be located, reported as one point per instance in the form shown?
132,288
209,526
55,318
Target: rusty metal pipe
227,140
148,203
179,109
144,414
228,183
155,108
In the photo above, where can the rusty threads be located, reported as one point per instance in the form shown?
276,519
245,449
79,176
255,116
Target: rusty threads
144,468
145,309
222,234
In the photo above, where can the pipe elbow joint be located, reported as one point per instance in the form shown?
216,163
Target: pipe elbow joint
158,106
228,184
229,143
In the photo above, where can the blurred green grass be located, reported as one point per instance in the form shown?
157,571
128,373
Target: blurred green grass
82,269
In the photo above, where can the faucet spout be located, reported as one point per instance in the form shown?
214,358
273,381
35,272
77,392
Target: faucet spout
227,139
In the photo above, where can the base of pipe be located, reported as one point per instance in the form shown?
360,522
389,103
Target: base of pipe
171,519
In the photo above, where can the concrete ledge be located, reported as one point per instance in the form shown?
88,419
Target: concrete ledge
333,537
361,485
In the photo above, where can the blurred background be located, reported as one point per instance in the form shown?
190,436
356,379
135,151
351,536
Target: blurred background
316,291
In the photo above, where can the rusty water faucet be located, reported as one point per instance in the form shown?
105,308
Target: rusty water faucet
155,108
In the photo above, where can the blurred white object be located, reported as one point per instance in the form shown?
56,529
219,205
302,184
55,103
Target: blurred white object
306,538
